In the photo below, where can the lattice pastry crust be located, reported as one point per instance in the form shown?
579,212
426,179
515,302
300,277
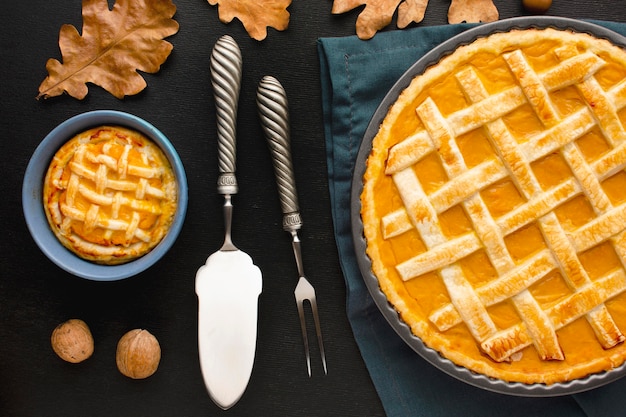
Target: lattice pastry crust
110,194
494,206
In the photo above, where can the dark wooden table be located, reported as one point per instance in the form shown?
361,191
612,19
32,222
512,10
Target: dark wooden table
36,295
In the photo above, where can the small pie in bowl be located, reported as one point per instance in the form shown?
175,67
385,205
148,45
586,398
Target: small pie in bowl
110,195
494,206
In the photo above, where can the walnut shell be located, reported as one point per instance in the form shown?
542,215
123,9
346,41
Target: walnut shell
138,354
72,341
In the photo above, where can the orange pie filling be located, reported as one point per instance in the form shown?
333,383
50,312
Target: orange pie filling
110,195
494,206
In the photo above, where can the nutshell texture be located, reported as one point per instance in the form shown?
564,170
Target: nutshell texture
138,354
72,341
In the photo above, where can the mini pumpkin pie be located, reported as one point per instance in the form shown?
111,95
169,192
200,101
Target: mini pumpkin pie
494,206
110,195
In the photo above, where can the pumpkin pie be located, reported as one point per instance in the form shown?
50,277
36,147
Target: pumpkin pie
110,195
494,206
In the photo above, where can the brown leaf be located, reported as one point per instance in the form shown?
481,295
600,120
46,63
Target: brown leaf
411,11
378,13
256,15
114,45
472,11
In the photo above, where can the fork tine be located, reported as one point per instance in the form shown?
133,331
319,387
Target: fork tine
318,331
300,305
305,291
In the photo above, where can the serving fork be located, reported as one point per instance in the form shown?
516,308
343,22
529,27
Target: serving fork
274,115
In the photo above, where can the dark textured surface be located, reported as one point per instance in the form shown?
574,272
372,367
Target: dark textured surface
35,295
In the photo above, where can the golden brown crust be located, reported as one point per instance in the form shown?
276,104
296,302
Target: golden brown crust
494,206
110,195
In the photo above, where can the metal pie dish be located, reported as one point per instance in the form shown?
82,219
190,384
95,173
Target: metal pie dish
391,315
32,195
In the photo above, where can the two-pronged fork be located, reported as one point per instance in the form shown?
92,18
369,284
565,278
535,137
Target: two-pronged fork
274,115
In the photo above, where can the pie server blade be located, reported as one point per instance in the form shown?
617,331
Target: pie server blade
228,285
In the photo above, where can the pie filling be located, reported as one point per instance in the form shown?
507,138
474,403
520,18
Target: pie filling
110,195
494,206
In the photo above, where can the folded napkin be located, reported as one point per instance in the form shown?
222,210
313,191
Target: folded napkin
355,77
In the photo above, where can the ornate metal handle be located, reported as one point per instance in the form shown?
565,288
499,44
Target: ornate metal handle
226,69
274,114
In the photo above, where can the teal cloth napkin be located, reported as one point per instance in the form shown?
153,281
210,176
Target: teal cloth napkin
355,76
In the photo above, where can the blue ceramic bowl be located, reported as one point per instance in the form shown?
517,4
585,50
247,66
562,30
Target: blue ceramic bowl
32,191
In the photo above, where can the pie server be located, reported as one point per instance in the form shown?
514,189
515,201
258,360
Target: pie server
229,284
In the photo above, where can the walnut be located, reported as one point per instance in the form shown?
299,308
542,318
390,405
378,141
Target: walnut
138,354
72,341
536,6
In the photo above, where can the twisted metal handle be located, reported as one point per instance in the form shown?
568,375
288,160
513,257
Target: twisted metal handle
274,115
226,69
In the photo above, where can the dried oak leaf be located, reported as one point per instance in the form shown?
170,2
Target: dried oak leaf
378,13
255,15
472,11
114,45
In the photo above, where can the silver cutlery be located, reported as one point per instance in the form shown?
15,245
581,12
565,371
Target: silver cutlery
273,112
229,284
